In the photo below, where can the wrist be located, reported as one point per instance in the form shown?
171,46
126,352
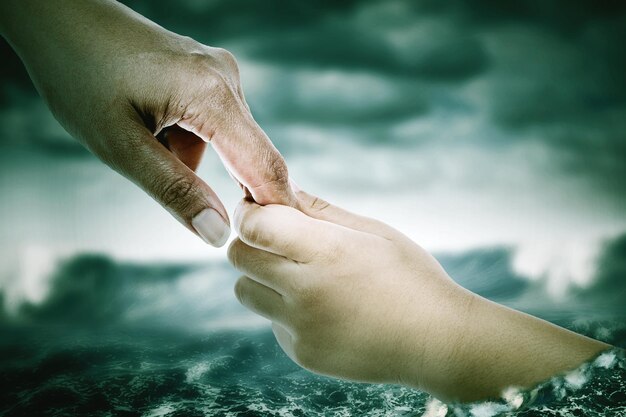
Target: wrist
499,348
435,329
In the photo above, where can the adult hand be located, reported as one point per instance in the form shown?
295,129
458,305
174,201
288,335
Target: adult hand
116,81
353,298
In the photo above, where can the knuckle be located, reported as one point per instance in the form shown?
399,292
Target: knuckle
278,168
177,192
276,177
259,238
211,72
200,61
226,58
219,86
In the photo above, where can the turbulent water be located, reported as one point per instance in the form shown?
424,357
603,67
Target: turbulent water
115,339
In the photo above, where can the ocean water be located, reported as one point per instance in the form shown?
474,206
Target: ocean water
119,339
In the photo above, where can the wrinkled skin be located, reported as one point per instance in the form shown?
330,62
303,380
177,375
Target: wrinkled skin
115,80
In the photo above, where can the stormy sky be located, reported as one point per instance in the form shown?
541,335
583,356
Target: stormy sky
463,124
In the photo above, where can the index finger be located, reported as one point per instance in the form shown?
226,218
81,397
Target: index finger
253,159
246,152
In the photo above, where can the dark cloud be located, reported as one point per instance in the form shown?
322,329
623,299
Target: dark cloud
567,93
425,39
335,98
351,34
336,45
548,80
95,290
559,16
549,72
2,307
212,21
595,153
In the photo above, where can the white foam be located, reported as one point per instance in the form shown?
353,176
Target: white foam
561,262
605,360
487,409
25,275
513,397
160,411
435,408
575,379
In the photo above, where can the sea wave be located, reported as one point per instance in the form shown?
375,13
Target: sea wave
115,338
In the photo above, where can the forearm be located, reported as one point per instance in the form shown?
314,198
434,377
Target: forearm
88,33
497,347
98,50
34,24
510,348
28,22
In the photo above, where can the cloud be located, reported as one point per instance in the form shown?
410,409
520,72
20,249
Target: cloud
540,77
549,72
467,123
564,89
329,97
222,19
384,36
432,52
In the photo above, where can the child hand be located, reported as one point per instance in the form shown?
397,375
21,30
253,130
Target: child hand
348,296
353,298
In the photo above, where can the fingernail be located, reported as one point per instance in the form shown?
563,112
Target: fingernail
211,227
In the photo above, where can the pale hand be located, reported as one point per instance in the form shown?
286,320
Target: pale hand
353,298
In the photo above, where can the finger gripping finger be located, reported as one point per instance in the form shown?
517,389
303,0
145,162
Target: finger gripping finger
274,183
251,229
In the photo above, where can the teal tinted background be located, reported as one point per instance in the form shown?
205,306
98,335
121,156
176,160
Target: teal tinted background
490,133
463,125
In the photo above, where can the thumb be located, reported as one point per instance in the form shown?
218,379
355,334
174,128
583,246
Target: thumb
143,160
320,209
